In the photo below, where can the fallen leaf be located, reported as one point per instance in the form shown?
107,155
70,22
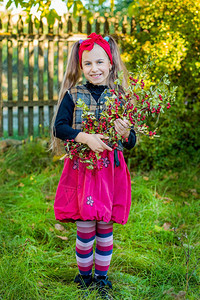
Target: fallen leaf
48,209
183,194
53,175
157,195
181,295
158,228
168,199
21,184
13,221
51,229
64,238
57,157
40,283
166,226
133,174
10,172
165,176
186,203
174,176
50,197
196,195
146,178
193,190
182,226
59,227
195,178
168,291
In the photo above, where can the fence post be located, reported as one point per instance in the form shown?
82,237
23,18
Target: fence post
106,25
89,28
50,71
60,56
20,49
124,25
97,26
80,25
1,100
69,24
133,25
30,77
40,78
9,77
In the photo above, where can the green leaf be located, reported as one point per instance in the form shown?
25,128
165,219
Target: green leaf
101,2
90,167
8,4
133,9
69,4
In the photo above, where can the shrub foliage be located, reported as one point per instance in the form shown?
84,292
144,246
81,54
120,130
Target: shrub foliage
168,31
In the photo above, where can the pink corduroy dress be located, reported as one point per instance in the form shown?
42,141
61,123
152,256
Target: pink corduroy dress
102,195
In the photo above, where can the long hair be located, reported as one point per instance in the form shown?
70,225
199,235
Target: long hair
70,79
73,74
117,66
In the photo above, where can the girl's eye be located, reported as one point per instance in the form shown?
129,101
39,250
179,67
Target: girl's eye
87,64
100,62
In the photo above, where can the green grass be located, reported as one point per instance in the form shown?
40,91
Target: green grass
35,263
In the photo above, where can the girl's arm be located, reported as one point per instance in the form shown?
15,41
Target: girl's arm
64,119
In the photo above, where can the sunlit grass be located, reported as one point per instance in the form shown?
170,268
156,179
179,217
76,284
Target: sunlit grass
148,259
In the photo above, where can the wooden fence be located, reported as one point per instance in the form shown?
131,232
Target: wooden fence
32,64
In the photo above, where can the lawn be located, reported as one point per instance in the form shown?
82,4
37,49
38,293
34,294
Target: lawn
156,254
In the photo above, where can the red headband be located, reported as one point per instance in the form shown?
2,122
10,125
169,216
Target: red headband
89,44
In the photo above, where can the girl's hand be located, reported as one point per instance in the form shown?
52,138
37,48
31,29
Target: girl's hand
94,141
122,127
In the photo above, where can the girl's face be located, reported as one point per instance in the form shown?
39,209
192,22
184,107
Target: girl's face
96,65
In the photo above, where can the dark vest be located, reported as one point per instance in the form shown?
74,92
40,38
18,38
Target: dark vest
81,92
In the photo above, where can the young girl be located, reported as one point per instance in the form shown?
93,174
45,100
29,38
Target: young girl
93,199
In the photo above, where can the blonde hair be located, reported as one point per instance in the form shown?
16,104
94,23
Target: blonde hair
73,74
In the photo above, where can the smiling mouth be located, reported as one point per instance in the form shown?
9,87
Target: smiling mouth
95,75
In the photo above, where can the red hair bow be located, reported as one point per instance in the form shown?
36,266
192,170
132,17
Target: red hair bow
89,44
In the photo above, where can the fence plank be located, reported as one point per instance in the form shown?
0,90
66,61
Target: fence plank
89,28
60,57
133,25
69,24
106,25
97,26
1,70
9,77
30,77
20,58
80,25
124,25
50,72
41,79
30,103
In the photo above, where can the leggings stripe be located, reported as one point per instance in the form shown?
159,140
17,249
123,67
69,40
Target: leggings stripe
86,233
104,248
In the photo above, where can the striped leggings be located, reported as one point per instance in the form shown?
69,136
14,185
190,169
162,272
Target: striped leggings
87,231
